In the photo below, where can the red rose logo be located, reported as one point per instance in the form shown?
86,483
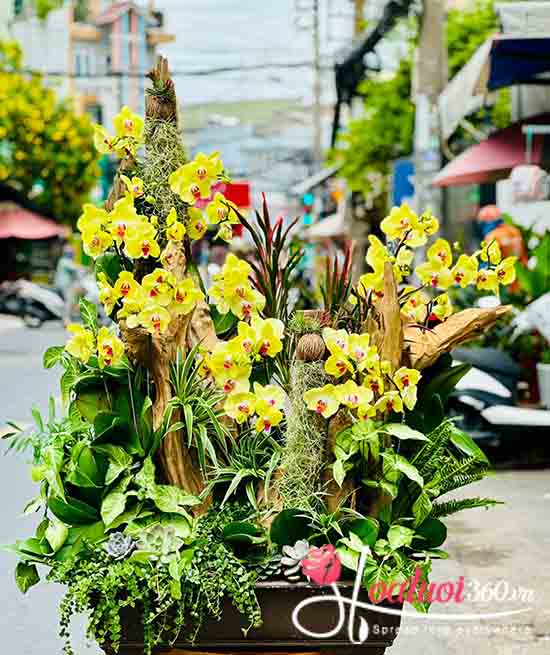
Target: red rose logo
322,565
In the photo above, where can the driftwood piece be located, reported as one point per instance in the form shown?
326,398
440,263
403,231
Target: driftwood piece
424,345
385,326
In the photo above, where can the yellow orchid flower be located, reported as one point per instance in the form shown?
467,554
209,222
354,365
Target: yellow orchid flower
270,394
158,286
154,318
400,221
247,303
124,218
128,124
361,352
220,209
406,380
246,338
390,402
506,270
225,232
205,367
441,253
82,344
371,283
186,296
108,296
365,412
323,400
434,274
375,383
96,243
175,230
338,365
240,406
269,334
110,348
487,280
465,270
442,307
235,385
141,242
196,224
104,143
230,365
337,341
267,417
377,254
194,180
490,252
415,309
126,286
352,395
92,220
428,223
134,185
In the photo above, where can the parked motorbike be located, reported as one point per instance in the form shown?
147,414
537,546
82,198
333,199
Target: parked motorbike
485,401
34,303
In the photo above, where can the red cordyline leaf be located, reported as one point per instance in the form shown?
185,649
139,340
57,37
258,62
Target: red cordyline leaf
322,565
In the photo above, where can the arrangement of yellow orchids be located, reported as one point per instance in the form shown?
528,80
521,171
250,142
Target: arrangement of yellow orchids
84,344
364,383
151,304
406,233
128,137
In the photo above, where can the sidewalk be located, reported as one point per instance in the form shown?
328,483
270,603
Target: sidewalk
8,322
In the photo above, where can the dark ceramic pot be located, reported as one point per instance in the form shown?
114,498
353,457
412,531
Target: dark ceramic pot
278,633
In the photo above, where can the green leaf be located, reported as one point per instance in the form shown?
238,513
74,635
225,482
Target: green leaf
223,323
84,470
109,264
433,533
119,461
366,529
26,576
243,533
172,499
290,526
182,525
421,508
72,511
88,312
113,506
146,477
467,445
56,534
348,557
399,536
402,431
394,462
90,403
338,472
53,356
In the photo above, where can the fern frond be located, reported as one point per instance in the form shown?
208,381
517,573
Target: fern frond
461,480
428,457
452,506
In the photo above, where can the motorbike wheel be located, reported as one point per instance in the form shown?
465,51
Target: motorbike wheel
32,321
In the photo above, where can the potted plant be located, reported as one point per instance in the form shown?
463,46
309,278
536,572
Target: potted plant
221,459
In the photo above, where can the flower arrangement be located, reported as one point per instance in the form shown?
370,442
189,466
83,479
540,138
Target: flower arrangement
213,438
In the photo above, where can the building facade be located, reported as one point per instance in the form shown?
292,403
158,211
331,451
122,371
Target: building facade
95,51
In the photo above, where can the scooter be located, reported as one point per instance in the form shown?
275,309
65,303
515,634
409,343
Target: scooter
485,400
34,303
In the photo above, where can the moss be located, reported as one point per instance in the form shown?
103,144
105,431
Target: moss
303,454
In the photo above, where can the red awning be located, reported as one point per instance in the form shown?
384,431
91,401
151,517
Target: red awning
492,159
19,223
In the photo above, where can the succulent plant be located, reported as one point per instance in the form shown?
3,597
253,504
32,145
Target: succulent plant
270,568
160,541
119,545
292,556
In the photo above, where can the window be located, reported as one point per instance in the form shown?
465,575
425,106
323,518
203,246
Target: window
17,7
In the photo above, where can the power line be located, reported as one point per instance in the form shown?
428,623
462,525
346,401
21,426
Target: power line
190,73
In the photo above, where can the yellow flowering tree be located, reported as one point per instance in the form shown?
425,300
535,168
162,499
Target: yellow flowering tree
47,149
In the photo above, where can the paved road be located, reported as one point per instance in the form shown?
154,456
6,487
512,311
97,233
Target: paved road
509,543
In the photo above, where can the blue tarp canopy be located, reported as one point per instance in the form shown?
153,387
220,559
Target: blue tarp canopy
519,61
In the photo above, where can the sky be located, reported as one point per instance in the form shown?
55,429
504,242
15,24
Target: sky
217,33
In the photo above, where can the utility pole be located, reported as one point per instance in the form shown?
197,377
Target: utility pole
430,79
358,17
317,124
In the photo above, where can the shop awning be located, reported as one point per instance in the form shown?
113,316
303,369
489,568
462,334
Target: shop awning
19,223
500,62
492,159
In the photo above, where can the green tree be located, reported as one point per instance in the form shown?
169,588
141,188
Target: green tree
47,149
